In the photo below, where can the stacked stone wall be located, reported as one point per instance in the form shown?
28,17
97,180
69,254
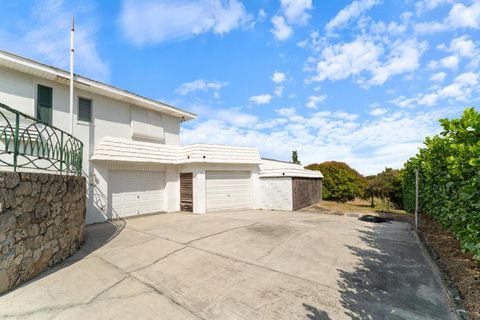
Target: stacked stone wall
42,222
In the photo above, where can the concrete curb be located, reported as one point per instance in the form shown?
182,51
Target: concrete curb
452,292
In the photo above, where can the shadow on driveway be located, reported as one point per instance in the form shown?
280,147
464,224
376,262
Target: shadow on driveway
96,236
393,280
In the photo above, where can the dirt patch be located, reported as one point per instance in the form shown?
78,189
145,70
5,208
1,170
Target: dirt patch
356,209
321,209
459,266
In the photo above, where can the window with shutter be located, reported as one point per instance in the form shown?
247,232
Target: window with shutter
84,110
44,103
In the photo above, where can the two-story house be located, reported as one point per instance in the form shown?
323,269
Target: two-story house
132,157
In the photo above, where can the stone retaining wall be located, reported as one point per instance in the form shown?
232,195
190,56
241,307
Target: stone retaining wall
42,221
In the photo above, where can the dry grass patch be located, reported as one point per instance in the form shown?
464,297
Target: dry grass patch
361,207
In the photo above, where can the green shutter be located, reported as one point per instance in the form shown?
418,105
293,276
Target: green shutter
44,103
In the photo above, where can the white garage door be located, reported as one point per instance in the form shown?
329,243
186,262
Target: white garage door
228,190
136,192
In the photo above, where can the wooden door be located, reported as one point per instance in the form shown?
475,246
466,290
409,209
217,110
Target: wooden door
186,191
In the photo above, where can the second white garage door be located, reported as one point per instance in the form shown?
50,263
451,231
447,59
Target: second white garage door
136,192
228,190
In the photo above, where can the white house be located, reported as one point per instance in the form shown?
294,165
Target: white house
132,156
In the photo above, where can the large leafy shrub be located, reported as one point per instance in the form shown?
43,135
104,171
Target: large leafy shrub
449,189
340,183
386,184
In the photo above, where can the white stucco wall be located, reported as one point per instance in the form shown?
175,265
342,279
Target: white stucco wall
110,117
17,90
276,193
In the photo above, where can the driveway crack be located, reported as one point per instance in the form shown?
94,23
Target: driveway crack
171,299
221,232
261,267
157,260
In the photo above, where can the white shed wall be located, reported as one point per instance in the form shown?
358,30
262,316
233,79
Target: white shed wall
276,193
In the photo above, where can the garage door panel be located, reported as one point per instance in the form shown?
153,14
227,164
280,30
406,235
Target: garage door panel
136,192
228,190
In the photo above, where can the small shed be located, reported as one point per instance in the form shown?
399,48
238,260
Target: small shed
288,186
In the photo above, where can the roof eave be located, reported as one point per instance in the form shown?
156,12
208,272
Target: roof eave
58,75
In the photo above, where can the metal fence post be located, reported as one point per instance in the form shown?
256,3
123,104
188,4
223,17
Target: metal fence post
416,199
61,152
16,142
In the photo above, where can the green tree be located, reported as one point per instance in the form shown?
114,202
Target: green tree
386,184
449,187
340,182
295,157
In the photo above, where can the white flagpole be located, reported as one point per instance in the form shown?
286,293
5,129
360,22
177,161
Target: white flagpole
72,50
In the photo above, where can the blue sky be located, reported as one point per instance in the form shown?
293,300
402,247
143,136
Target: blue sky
362,82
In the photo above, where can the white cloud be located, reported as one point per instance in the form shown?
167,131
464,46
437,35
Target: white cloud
150,22
262,14
199,85
367,62
296,10
378,112
279,91
269,124
430,27
281,30
326,135
235,117
463,46
47,40
404,57
278,77
314,101
261,99
340,61
467,78
350,12
292,12
438,77
450,62
459,90
287,112
427,5
460,16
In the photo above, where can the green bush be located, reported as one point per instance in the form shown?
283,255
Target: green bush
449,169
386,184
340,183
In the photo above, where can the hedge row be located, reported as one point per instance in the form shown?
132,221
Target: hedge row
449,168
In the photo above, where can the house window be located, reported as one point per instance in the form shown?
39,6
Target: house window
44,103
84,110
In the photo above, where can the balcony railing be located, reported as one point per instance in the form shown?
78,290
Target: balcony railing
28,143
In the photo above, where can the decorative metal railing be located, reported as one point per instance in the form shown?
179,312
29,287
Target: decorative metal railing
28,143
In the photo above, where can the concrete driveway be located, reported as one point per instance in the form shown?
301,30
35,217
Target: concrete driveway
238,265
